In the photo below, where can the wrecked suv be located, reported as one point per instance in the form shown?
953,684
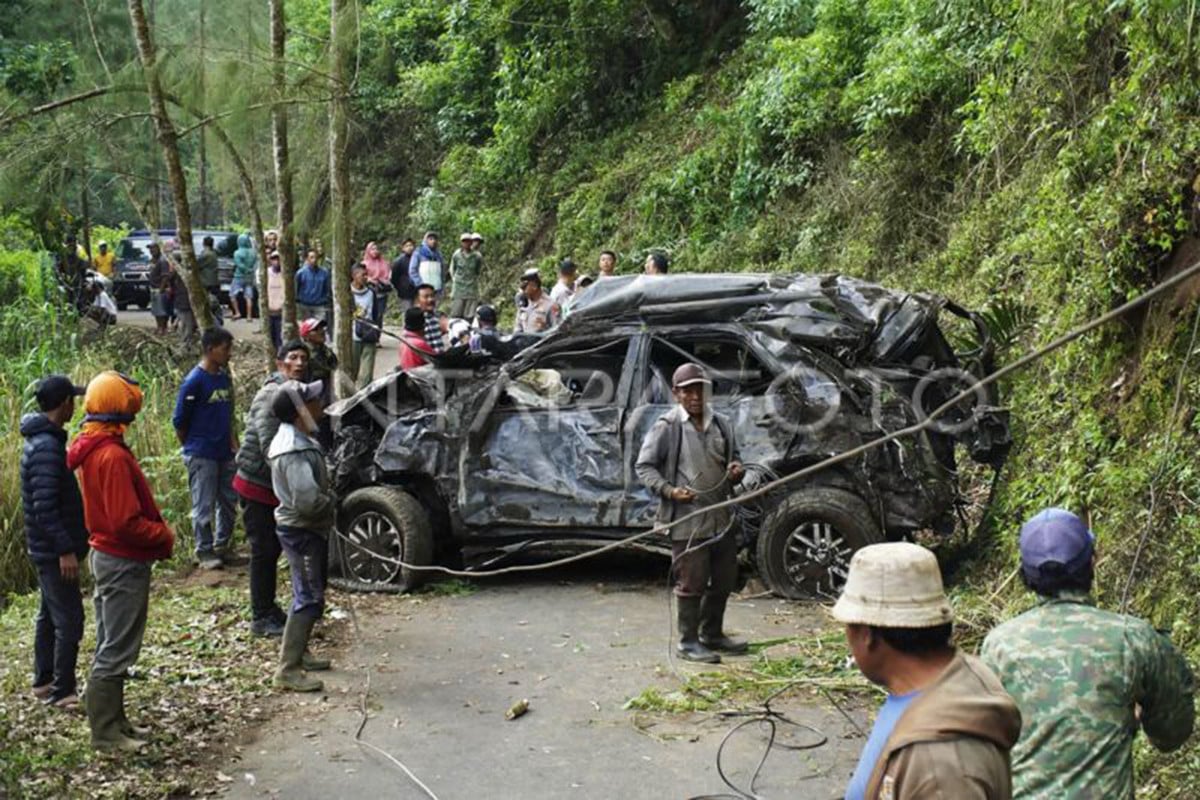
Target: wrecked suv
477,460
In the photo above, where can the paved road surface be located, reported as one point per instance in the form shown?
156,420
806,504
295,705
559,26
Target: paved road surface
577,644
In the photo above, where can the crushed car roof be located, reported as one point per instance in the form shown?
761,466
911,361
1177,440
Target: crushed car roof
833,312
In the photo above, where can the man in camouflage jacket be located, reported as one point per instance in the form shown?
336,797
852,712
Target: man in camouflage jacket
1084,679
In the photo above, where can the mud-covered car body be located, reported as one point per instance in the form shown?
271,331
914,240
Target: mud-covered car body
541,449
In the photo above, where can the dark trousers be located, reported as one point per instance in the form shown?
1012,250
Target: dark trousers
57,631
308,557
710,567
276,330
265,550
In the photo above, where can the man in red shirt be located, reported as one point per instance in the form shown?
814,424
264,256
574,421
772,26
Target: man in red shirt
414,343
127,533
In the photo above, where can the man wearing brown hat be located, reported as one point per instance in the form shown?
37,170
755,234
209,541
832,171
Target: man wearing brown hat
947,725
690,460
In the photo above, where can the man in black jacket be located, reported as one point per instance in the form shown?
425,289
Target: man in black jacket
56,537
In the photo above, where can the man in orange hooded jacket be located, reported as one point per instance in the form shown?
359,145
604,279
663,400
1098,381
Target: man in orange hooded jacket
127,533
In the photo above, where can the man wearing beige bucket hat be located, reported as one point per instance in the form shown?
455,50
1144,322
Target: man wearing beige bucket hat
947,725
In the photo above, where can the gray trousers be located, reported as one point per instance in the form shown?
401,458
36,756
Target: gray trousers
122,598
213,499
187,328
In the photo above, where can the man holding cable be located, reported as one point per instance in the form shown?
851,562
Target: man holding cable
690,461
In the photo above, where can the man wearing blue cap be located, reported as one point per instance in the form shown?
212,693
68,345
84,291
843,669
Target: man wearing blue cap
1084,679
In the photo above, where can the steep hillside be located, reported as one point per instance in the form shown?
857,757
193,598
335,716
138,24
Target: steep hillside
1037,159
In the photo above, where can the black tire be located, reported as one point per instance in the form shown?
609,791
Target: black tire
805,544
122,306
387,521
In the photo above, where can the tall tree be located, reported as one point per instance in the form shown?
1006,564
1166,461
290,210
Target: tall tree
168,141
283,167
340,50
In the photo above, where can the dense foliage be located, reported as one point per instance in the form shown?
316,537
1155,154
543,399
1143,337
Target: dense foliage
1040,157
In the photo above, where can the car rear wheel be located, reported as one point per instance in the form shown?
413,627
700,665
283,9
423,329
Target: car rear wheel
382,525
805,544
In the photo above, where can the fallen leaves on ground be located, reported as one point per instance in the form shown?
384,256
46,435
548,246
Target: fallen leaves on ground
200,681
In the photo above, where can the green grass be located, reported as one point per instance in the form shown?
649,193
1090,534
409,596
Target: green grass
204,679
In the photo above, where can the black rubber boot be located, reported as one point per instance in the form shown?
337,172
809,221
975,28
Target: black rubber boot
689,647
712,621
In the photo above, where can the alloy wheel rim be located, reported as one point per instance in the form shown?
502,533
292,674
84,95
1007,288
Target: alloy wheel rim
373,535
816,558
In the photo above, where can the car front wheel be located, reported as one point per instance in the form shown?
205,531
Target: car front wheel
805,544
382,525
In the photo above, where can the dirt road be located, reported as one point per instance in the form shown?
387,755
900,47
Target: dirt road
578,644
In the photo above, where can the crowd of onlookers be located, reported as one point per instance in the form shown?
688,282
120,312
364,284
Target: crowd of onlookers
1049,708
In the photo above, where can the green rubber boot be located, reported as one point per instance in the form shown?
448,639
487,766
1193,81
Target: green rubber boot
104,713
290,676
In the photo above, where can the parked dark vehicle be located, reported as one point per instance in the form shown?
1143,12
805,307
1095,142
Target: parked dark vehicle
484,460
131,284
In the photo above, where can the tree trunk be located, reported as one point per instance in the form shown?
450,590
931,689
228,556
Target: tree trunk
202,154
167,141
340,31
283,169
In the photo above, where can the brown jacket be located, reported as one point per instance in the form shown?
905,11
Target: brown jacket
953,742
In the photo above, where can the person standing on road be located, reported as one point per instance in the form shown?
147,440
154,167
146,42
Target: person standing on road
181,302
427,303
253,486
379,275
564,289
304,519
210,278
539,314
657,264
242,287
406,290
159,277
947,725
413,345
56,537
465,267
127,533
314,292
1085,679
275,298
103,261
427,265
607,265
368,318
203,422
322,361
690,460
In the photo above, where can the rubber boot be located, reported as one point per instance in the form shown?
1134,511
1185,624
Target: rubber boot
312,663
689,647
103,705
712,621
127,727
290,675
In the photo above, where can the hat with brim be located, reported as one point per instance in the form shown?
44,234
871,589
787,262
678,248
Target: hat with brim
894,585
53,390
689,375
477,237
466,237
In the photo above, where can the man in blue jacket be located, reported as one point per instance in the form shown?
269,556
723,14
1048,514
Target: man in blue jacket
427,266
204,424
314,292
57,539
